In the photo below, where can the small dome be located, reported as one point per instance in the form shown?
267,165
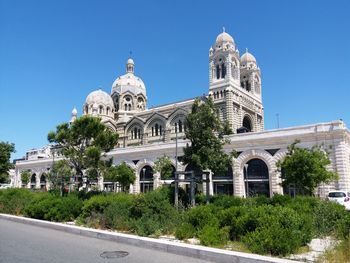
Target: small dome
99,97
247,58
74,112
129,82
130,61
224,37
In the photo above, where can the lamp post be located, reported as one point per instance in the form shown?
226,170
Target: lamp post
246,180
176,195
143,183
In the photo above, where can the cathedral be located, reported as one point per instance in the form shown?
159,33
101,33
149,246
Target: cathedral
145,134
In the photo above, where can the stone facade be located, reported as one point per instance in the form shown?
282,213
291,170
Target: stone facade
148,133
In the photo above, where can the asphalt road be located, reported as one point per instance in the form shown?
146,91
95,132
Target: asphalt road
25,243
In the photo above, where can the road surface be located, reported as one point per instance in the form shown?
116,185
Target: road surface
32,244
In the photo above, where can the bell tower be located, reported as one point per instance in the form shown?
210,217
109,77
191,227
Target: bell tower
235,85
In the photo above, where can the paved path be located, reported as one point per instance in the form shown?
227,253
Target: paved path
31,244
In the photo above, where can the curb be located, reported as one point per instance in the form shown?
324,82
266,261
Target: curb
195,251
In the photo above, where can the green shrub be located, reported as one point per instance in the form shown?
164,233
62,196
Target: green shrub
201,216
54,208
213,236
117,214
96,204
343,227
326,216
279,231
273,239
152,212
13,201
185,231
239,221
227,201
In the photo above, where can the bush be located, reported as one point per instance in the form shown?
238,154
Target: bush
343,227
117,214
201,216
13,201
214,236
326,216
185,231
152,212
227,201
279,231
96,204
54,208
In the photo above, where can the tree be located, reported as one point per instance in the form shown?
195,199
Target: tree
25,176
60,174
305,168
122,174
83,143
205,132
6,149
164,166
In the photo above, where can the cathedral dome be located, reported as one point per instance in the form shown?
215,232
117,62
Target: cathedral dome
248,59
129,82
224,37
99,97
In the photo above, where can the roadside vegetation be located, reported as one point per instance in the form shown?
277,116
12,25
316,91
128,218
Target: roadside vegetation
275,226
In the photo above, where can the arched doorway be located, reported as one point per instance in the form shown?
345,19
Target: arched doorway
33,181
146,179
247,123
43,182
256,178
223,183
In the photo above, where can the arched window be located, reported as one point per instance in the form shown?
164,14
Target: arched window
126,107
223,70
256,178
247,123
33,181
247,85
86,109
107,110
156,127
217,71
180,126
146,179
100,110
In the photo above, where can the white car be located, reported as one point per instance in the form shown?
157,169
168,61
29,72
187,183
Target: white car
341,197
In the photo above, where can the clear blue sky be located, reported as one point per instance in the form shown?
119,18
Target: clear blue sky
53,53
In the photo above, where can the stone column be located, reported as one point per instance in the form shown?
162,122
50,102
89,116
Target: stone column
156,180
342,159
238,182
136,188
229,107
100,183
37,181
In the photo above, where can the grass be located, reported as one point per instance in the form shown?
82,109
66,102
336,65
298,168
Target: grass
237,246
339,254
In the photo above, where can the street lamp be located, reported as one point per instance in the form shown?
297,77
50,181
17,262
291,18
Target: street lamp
176,195
143,183
246,180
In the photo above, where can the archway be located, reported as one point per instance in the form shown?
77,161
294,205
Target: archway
33,181
43,181
146,179
256,178
247,123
